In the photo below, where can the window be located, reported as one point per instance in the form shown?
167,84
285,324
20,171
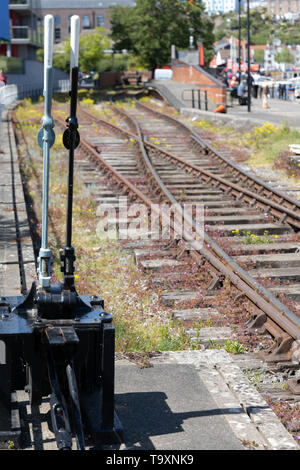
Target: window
56,21
100,20
57,34
69,23
86,22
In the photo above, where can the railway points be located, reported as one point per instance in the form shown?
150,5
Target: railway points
223,401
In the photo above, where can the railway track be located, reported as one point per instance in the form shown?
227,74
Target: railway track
234,203
128,164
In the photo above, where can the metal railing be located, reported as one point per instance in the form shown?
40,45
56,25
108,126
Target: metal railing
11,93
26,33
198,98
19,2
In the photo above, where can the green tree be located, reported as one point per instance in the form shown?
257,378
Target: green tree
91,52
152,26
284,56
259,56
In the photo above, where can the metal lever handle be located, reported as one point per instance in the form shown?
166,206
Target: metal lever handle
46,138
71,140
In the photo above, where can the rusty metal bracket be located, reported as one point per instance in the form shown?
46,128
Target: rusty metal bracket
181,251
280,351
215,283
257,323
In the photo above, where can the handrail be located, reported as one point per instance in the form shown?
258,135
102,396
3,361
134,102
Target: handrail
197,98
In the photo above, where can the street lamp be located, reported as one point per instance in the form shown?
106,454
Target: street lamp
248,54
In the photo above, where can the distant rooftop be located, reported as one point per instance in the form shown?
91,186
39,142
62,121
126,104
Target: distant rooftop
189,57
48,4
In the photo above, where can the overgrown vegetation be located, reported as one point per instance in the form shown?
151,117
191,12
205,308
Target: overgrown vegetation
263,146
248,238
142,325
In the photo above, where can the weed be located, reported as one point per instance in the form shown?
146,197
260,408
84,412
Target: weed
232,347
251,238
10,445
249,444
173,337
254,376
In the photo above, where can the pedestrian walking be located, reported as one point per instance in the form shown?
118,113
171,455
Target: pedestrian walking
265,104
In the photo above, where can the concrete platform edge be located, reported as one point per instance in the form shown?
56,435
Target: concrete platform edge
251,419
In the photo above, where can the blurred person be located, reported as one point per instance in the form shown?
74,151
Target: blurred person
265,104
242,92
255,83
3,77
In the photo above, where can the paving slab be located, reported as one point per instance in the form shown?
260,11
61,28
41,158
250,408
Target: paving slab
15,243
187,400
194,400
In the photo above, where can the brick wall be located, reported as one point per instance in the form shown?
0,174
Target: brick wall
115,78
185,73
110,79
62,23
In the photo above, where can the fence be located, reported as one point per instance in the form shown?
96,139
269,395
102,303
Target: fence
197,97
11,93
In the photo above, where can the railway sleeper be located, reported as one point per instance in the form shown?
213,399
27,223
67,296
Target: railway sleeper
256,229
271,261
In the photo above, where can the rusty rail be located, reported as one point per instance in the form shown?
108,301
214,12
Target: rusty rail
255,183
281,319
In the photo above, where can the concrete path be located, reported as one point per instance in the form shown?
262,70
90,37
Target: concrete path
278,112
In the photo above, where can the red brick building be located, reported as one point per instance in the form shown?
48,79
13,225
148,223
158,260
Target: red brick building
92,13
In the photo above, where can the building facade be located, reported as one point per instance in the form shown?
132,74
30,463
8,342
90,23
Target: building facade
256,4
221,6
92,13
283,8
26,34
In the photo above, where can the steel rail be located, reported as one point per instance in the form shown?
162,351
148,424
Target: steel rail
257,294
283,213
282,197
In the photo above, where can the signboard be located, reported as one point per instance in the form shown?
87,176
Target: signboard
163,74
4,21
